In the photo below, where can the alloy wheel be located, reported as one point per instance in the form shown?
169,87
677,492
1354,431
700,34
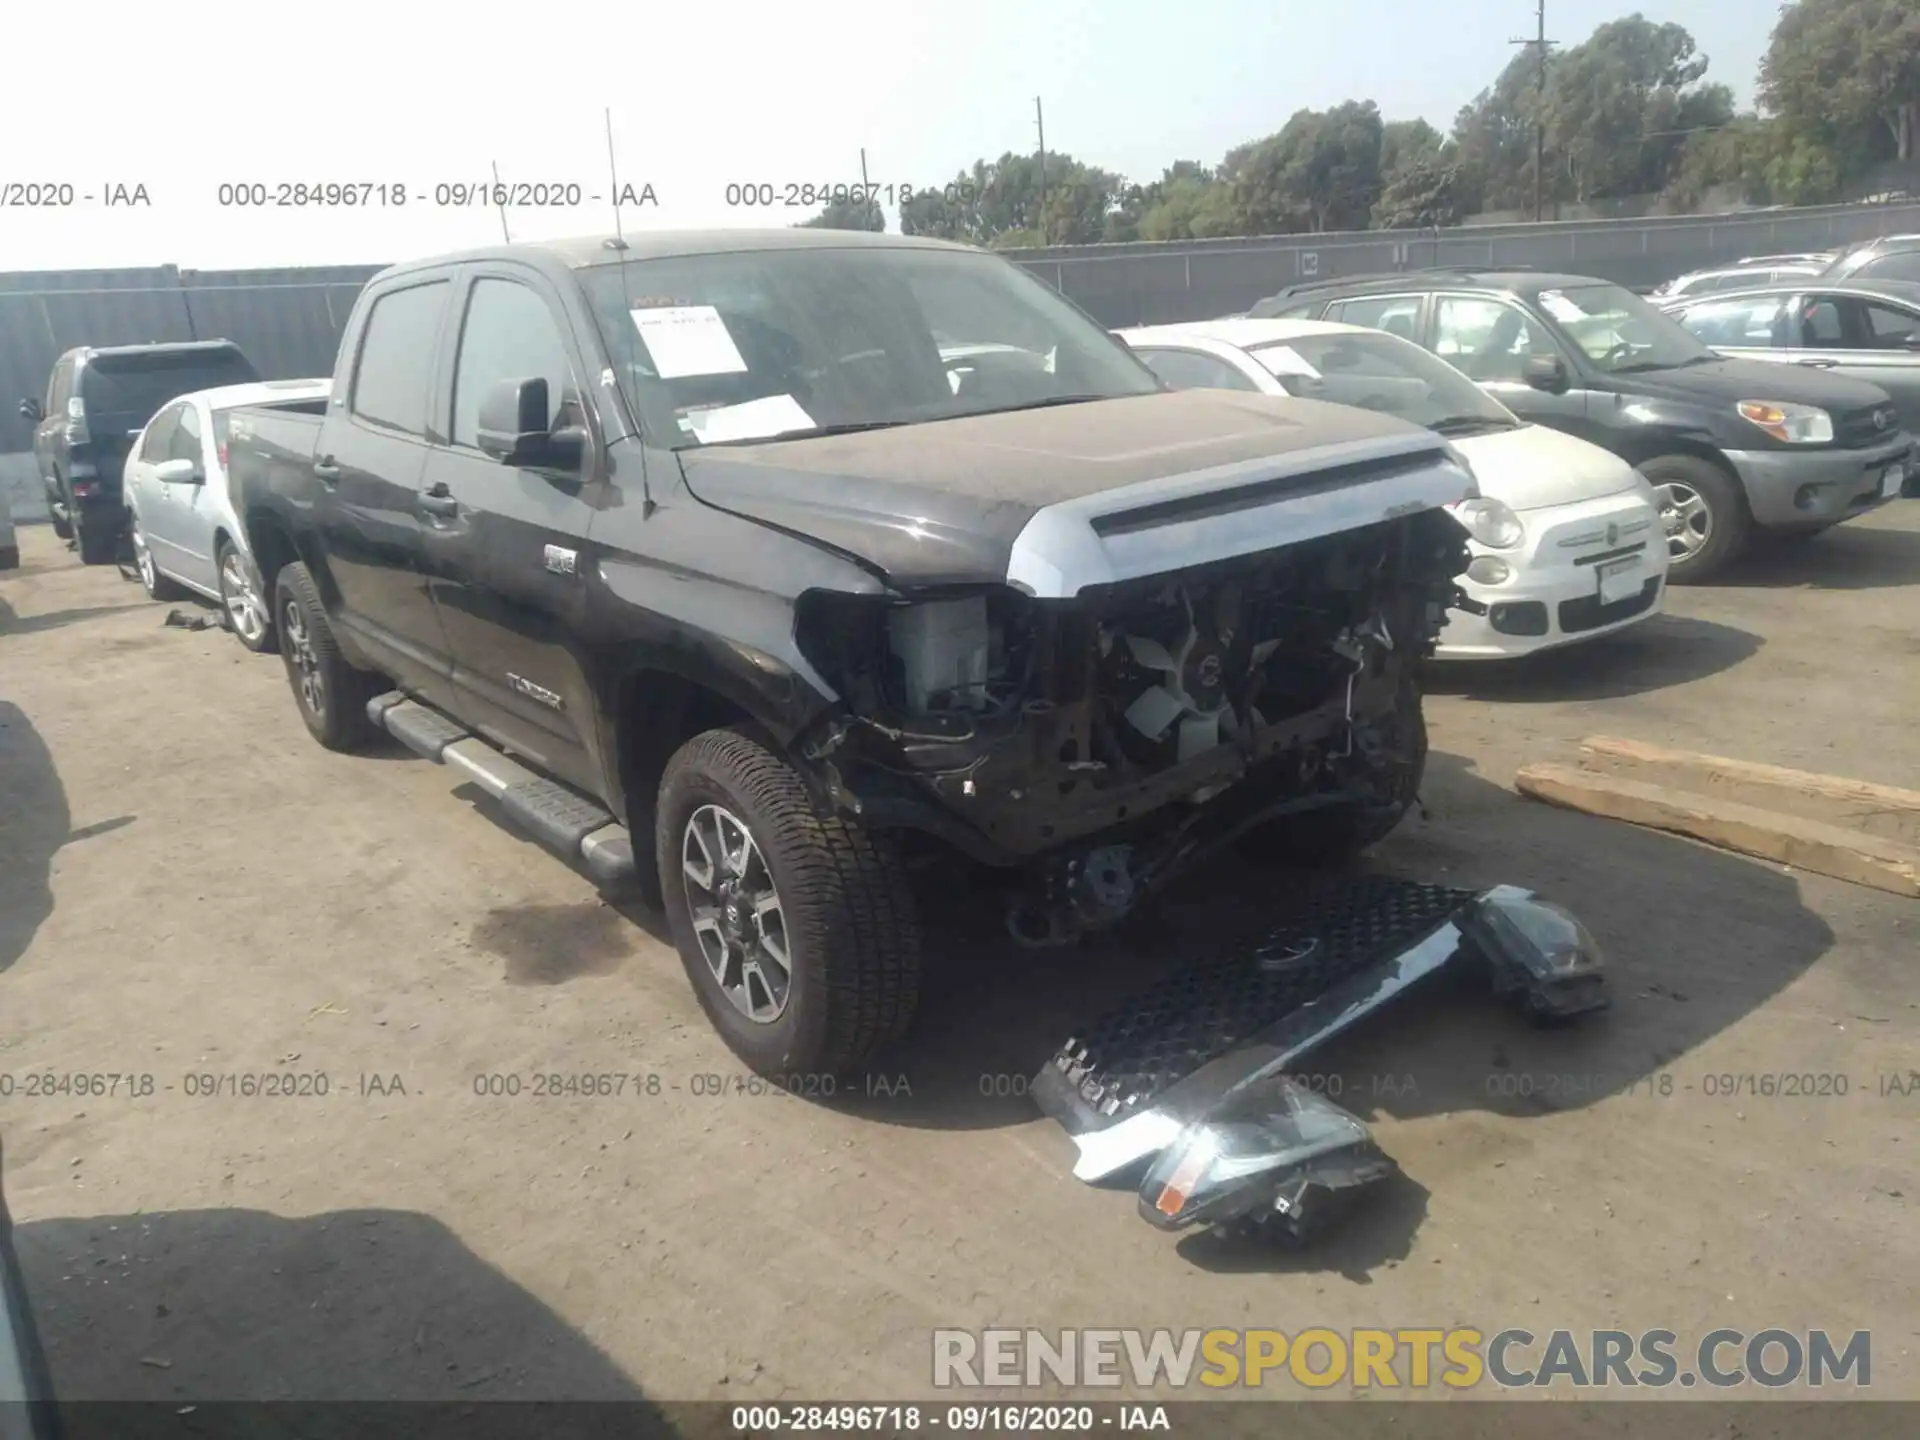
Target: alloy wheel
736,912
244,609
303,660
1686,518
143,557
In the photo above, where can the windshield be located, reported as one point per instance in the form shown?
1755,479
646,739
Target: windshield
1379,372
1618,330
748,345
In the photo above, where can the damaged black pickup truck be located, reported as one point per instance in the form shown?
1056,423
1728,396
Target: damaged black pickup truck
746,563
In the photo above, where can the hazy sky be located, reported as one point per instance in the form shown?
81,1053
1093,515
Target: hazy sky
184,96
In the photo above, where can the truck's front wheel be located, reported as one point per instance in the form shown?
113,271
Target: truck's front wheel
798,933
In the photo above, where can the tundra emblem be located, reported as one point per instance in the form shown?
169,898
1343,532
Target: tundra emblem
561,562
536,692
1294,952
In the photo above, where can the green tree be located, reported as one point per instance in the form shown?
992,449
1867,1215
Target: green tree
1004,195
1320,172
1494,136
1421,193
1619,105
1840,65
857,213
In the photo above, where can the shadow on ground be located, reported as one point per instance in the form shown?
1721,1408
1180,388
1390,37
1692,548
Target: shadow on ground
34,824
13,624
1661,652
1847,557
212,1305
1695,938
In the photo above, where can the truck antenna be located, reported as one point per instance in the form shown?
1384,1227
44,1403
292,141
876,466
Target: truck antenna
613,175
500,196
619,242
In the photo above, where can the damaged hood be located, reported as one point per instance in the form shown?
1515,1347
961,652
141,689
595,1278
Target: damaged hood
944,501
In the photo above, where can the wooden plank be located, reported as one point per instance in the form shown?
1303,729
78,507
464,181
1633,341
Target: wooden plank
1884,810
1791,840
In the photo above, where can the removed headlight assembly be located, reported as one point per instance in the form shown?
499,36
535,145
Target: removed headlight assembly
1192,1089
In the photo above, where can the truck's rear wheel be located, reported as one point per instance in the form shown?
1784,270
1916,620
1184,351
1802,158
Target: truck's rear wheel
331,694
798,933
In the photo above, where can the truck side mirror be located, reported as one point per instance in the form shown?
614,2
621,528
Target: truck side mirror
516,417
1548,373
30,410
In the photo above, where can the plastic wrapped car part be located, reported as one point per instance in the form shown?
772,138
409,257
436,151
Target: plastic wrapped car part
1268,1160
1537,951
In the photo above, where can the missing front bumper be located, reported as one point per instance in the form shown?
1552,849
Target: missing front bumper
1187,1087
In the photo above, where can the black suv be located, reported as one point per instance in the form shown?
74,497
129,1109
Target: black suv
97,401
1891,257
1730,445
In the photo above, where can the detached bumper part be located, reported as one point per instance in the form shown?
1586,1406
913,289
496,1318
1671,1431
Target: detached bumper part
1275,1171
1187,1085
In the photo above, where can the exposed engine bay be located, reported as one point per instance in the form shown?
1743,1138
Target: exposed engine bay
1098,742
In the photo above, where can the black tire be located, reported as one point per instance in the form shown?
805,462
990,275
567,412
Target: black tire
334,708
266,640
847,915
157,586
99,542
61,527
1728,522
1335,835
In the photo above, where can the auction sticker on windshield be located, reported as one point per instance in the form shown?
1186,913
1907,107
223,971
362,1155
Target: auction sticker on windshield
752,420
688,340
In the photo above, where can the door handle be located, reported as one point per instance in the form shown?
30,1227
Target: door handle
326,470
439,501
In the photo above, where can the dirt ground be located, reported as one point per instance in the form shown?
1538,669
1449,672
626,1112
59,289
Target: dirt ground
189,886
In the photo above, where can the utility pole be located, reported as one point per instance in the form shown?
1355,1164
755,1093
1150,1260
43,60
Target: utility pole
1040,124
500,196
867,201
1541,46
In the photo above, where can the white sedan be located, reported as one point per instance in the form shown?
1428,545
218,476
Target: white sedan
1565,536
185,533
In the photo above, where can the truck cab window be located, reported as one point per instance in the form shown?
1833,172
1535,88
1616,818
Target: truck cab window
396,357
509,333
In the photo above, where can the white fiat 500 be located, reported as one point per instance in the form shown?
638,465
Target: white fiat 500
185,533
1566,537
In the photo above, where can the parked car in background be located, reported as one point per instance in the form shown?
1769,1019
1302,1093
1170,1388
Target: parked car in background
1867,329
1566,537
762,599
1730,446
186,534
1891,257
98,398
1755,270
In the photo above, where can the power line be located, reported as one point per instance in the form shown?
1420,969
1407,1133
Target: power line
1542,46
